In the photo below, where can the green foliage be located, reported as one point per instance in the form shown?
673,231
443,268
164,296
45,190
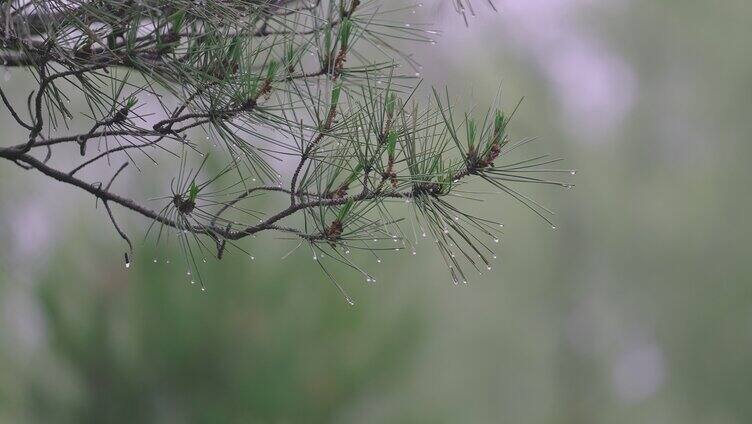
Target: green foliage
235,79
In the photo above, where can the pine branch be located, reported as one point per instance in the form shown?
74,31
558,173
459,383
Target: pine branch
251,83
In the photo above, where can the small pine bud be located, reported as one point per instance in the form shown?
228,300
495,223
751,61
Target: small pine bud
391,101
335,93
272,70
471,131
344,33
391,143
193,191
498,122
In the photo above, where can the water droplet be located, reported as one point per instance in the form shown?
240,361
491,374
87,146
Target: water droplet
417,74
193,282
368,279
496,240
573,172
127,265
494,256
203,289
553,227
154,260
488,267
187,273
378,260
423,235
253,258
420,4
347,252
315,258
204,260
407,25
414,253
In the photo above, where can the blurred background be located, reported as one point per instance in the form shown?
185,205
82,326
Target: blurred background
638,308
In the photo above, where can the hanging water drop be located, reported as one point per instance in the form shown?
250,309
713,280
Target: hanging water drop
496,240
127,261
573,172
